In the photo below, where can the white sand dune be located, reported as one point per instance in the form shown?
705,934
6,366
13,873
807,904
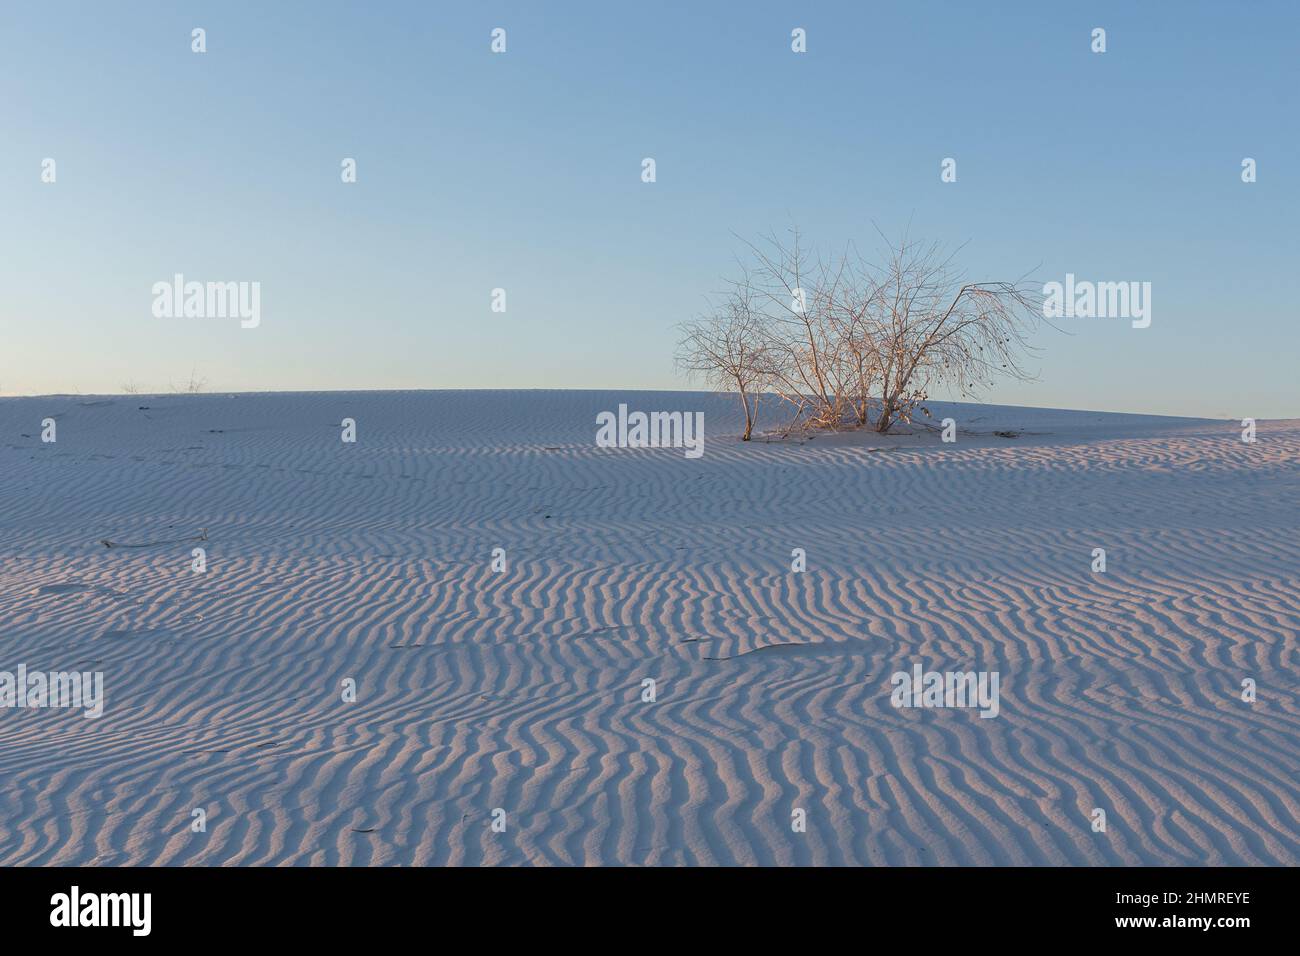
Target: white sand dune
522,690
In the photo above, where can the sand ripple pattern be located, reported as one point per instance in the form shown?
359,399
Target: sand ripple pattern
522,690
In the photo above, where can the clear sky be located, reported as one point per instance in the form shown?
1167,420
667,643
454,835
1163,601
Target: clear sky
522,171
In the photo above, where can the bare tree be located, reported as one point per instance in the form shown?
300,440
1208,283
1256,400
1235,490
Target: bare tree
725,349
824,336
192,387
934,327
794,298
855,327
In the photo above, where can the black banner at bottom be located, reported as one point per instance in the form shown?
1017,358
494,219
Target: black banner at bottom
333,907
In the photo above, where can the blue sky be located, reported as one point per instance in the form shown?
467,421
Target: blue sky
522,171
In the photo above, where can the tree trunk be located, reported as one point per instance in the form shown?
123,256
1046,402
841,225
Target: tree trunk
886,415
